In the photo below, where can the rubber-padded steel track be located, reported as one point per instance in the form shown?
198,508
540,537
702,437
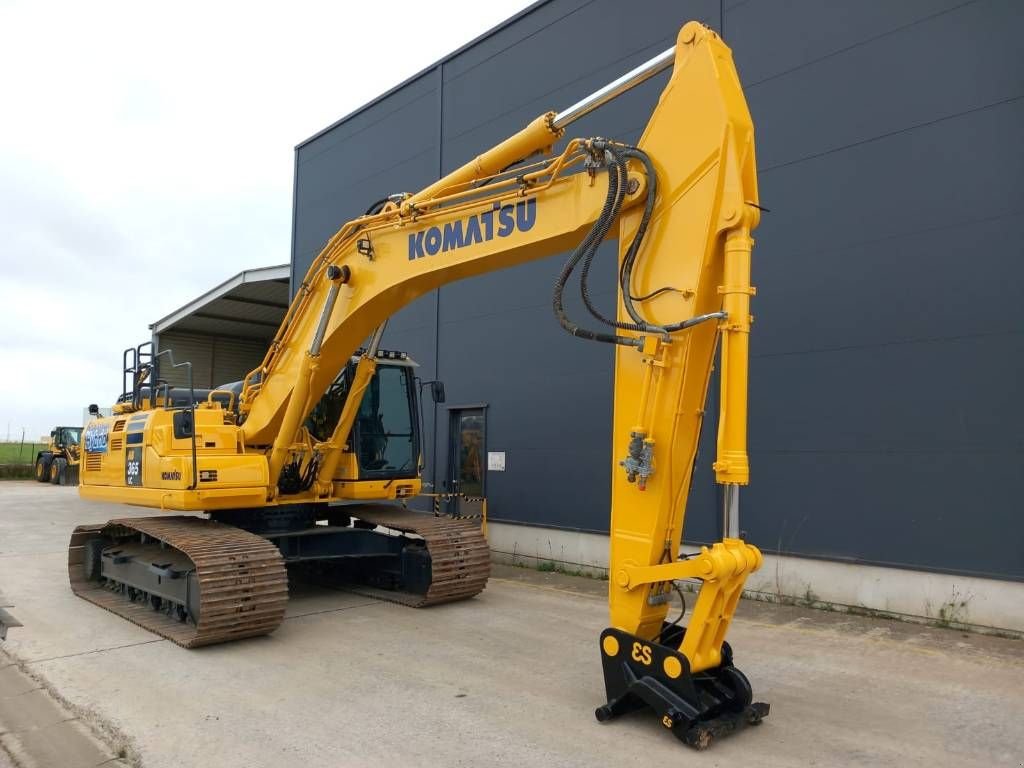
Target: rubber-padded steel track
242,579
460,559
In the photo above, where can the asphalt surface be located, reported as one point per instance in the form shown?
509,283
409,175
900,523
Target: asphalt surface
508,678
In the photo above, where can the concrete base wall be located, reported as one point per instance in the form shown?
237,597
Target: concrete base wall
985,605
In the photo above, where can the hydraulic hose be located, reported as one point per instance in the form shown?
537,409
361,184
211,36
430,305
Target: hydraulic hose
597,233
626,271
616,163
615,157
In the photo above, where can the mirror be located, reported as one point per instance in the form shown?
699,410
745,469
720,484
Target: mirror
437,391
94,410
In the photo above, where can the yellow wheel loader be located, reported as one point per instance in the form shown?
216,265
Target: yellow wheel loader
58,462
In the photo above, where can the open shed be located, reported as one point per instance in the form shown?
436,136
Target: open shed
225,332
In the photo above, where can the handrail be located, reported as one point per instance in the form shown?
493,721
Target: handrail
191,407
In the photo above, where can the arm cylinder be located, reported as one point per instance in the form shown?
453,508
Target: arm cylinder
733,466
617,87
543,132
537,137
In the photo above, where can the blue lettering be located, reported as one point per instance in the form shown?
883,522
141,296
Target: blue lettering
432,241
506,221
452,236
488,219
416,246
96,438
526,214
473,231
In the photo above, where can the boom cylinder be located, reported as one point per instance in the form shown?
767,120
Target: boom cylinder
296,410
365,369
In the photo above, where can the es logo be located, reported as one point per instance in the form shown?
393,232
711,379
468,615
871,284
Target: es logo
642,653
175,475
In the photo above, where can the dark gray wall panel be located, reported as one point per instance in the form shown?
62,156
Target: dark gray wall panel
889,452
887,351
339,173
496,87
549,398
885,359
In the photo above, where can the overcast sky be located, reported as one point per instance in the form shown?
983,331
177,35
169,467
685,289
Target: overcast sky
146,154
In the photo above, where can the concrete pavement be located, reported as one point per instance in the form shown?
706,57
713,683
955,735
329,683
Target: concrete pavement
40,732
508,678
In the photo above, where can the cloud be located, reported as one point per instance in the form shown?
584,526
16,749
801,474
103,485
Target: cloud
146,154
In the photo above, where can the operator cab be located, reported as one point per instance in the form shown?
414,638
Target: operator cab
386,435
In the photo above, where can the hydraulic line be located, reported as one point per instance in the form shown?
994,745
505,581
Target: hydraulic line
615,158
612,204
615,161
679,618
377,207
626,272
618,168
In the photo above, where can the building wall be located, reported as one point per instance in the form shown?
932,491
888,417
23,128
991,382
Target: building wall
887,352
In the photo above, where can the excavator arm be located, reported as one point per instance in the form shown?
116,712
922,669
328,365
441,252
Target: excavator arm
684,205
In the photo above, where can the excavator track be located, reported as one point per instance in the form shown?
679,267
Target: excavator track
460,557
243,584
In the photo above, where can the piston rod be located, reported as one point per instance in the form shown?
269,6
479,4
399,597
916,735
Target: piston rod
617,87
731,512
371,350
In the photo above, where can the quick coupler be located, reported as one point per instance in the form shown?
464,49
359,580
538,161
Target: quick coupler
697,707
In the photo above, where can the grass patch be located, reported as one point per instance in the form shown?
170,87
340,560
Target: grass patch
551,566
19,453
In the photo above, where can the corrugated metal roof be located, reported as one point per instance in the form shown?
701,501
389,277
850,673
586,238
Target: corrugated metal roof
249,305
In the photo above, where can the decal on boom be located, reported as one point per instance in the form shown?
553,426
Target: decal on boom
500,221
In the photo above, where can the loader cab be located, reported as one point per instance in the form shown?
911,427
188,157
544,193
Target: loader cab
386,437
66,437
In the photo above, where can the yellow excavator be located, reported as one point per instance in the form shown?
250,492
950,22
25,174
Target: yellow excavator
312,458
